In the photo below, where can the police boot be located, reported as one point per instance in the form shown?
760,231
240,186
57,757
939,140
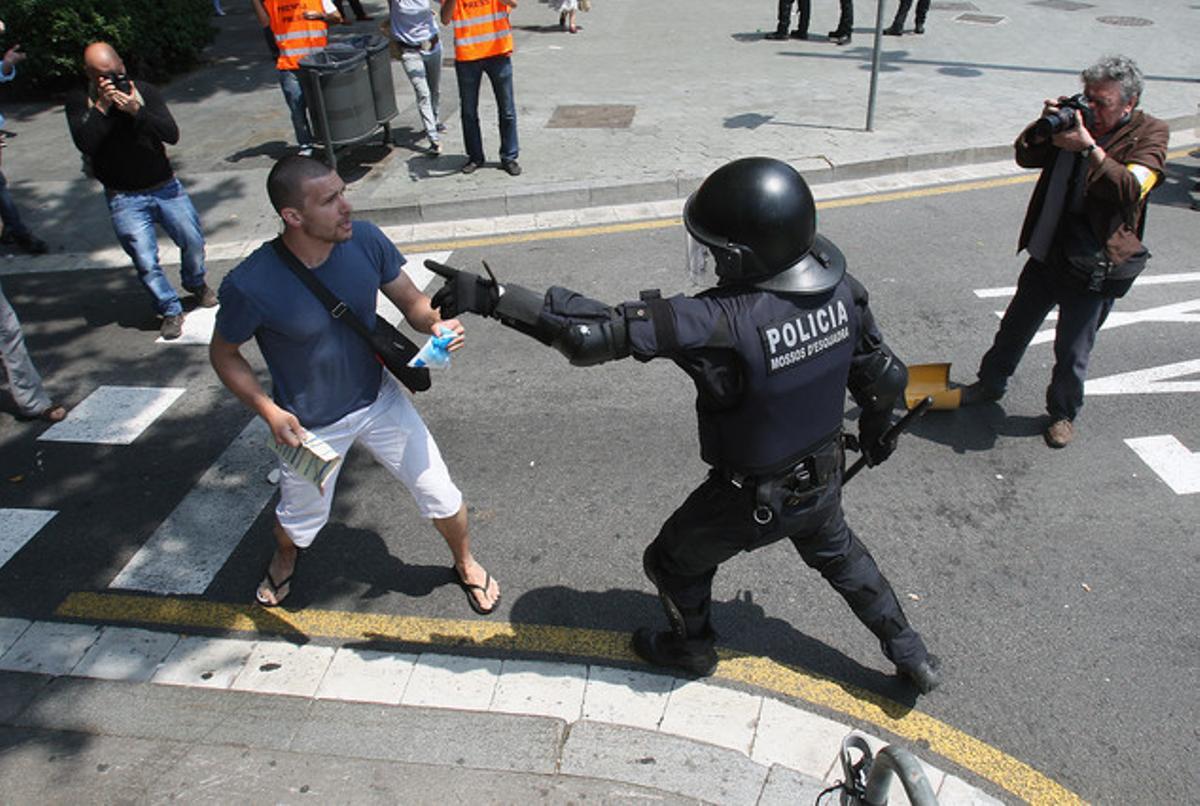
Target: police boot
926,675
695,656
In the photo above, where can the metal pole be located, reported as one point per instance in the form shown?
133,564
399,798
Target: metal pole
875,65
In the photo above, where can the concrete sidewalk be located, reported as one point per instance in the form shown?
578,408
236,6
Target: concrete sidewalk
655,97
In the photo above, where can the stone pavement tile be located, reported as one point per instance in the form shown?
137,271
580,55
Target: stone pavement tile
720,716
48,647
786,787
797,739
452,681
204,662
10,631
17,690
657,760
541,688
366,675
626,697
432,736
122,653
954,791
279,667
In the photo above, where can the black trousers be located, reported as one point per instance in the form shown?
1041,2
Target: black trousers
717,521
846,20
785,15
902,12
1080,314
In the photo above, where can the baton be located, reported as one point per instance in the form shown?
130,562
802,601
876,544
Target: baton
891,435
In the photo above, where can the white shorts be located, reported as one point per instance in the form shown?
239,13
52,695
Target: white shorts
394,433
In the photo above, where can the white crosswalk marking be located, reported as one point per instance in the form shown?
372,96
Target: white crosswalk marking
113,415
17,527
1177,466
197,329
188,549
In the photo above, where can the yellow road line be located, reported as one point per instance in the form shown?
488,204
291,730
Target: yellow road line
988,762
664,223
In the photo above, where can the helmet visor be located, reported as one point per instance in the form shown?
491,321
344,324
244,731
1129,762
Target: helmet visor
699,261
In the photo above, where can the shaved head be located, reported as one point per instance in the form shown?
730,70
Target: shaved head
100,58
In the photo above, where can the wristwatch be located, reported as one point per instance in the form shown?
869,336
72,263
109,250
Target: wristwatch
1087,152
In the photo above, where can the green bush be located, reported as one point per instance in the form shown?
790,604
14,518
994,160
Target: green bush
156,38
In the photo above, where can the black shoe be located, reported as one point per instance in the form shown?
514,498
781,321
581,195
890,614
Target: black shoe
31,244
895,30
840,39
919,28
777,35
978,393
798,34
470,167
511,167
696,657
926,675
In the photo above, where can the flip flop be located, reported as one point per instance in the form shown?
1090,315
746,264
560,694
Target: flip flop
471,600
279,590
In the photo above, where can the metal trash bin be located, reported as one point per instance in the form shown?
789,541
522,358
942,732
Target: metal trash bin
337,90
379,68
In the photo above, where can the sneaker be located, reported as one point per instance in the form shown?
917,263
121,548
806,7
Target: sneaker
205,296
1060,433
172,327
695,657
978,393
840,39
470,167
31,244
435,148
776,35
511,167
441,127
926,675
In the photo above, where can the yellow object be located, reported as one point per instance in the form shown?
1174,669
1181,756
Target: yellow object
932,380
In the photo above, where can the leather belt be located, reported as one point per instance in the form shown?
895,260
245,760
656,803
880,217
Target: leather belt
424,47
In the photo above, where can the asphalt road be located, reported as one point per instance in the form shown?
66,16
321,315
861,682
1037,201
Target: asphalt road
1058,586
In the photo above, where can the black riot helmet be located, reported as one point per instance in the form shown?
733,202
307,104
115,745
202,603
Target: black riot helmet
757,219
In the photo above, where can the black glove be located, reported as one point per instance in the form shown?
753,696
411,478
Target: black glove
873,437
464,291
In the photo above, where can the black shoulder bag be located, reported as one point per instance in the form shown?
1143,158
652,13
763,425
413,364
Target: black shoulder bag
391,347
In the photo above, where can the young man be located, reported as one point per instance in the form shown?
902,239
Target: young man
120,126
483,43
326,379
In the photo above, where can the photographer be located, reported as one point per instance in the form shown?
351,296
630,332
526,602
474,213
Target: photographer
121,126
1100,156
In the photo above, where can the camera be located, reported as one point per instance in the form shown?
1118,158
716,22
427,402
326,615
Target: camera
1064,118
120,82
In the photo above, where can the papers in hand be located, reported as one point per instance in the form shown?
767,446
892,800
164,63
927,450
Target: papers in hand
312,459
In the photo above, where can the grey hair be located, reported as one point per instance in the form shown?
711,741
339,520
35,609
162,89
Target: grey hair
1120,69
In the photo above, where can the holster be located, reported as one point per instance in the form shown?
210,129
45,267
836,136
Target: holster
795,487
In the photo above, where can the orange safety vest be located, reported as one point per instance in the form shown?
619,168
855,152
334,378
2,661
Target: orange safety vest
295,36
481,30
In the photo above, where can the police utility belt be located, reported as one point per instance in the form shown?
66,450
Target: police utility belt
799,484
422,47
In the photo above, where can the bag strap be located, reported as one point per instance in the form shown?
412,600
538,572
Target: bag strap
337,309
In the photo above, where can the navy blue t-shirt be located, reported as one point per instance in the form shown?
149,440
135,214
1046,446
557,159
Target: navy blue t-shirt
321,369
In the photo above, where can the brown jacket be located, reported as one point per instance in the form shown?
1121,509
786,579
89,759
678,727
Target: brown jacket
1113,195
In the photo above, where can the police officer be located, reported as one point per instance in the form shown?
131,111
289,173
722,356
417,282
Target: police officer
771,349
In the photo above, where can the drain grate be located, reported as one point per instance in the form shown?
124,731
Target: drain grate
1126,22
1062,5
979,19
592,116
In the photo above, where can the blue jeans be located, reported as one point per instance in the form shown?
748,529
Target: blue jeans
424,71
293,93
470,76
8,212
134,216
1080,315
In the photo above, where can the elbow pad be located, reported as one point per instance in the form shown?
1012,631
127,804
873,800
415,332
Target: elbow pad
586,344
878,381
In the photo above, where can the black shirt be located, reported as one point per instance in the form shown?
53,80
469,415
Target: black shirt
125,151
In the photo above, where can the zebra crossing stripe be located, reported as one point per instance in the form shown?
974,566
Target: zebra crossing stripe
113,415
18,526
188,548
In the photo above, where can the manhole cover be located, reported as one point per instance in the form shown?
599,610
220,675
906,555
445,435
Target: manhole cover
979,19
1062,5
954,7
1126,22
592,116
